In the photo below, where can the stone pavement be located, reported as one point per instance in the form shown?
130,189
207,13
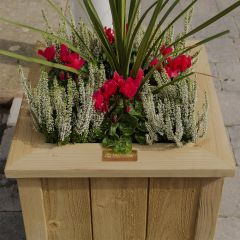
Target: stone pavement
224,57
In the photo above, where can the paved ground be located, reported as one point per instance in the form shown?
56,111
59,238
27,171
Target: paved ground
224,56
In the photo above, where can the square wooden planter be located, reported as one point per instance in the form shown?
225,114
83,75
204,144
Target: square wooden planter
69,193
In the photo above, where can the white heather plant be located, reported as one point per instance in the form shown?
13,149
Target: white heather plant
129,84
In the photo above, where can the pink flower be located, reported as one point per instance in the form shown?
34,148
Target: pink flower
127,87
48,53
165,51
178,65
69,59
109,88
64,53
75,61
100,104
130,86
154,62
109,34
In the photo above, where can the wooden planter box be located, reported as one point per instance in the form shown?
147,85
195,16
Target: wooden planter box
69,193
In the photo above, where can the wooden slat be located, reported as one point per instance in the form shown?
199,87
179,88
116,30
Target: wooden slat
67,207
31,197
119,208
209,202
172,208
216,140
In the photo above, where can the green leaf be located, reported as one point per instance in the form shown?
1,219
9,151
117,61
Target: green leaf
98,27
108,142
113,130
129,120
171,8
145,42
38,60
118,18
126,130
130,40
133,111
134,6
159,39
123,145
141,139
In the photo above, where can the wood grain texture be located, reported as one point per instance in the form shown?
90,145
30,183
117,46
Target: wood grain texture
209,202
119,208
172,208
31,197
30,156
67,207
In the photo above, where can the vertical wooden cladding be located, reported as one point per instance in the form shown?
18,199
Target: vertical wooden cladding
67,209
119,208
183,209
209,202
31,196
173,207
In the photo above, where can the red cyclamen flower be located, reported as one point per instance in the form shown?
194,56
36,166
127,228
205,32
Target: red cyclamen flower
165,51
48,53
127,87
178,65
100,104
75,61
109,34
154,62
64,53
70,59
109,88
130,86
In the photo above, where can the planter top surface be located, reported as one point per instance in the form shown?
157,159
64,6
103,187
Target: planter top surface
31,157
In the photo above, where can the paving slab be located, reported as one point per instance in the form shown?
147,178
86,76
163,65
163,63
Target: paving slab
228,229
222,50
230,204
230,107
9,198
234,133
20,40
11,226
227,71
236,43
216,79
237,155
5,146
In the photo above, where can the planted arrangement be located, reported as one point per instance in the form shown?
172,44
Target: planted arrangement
122,85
